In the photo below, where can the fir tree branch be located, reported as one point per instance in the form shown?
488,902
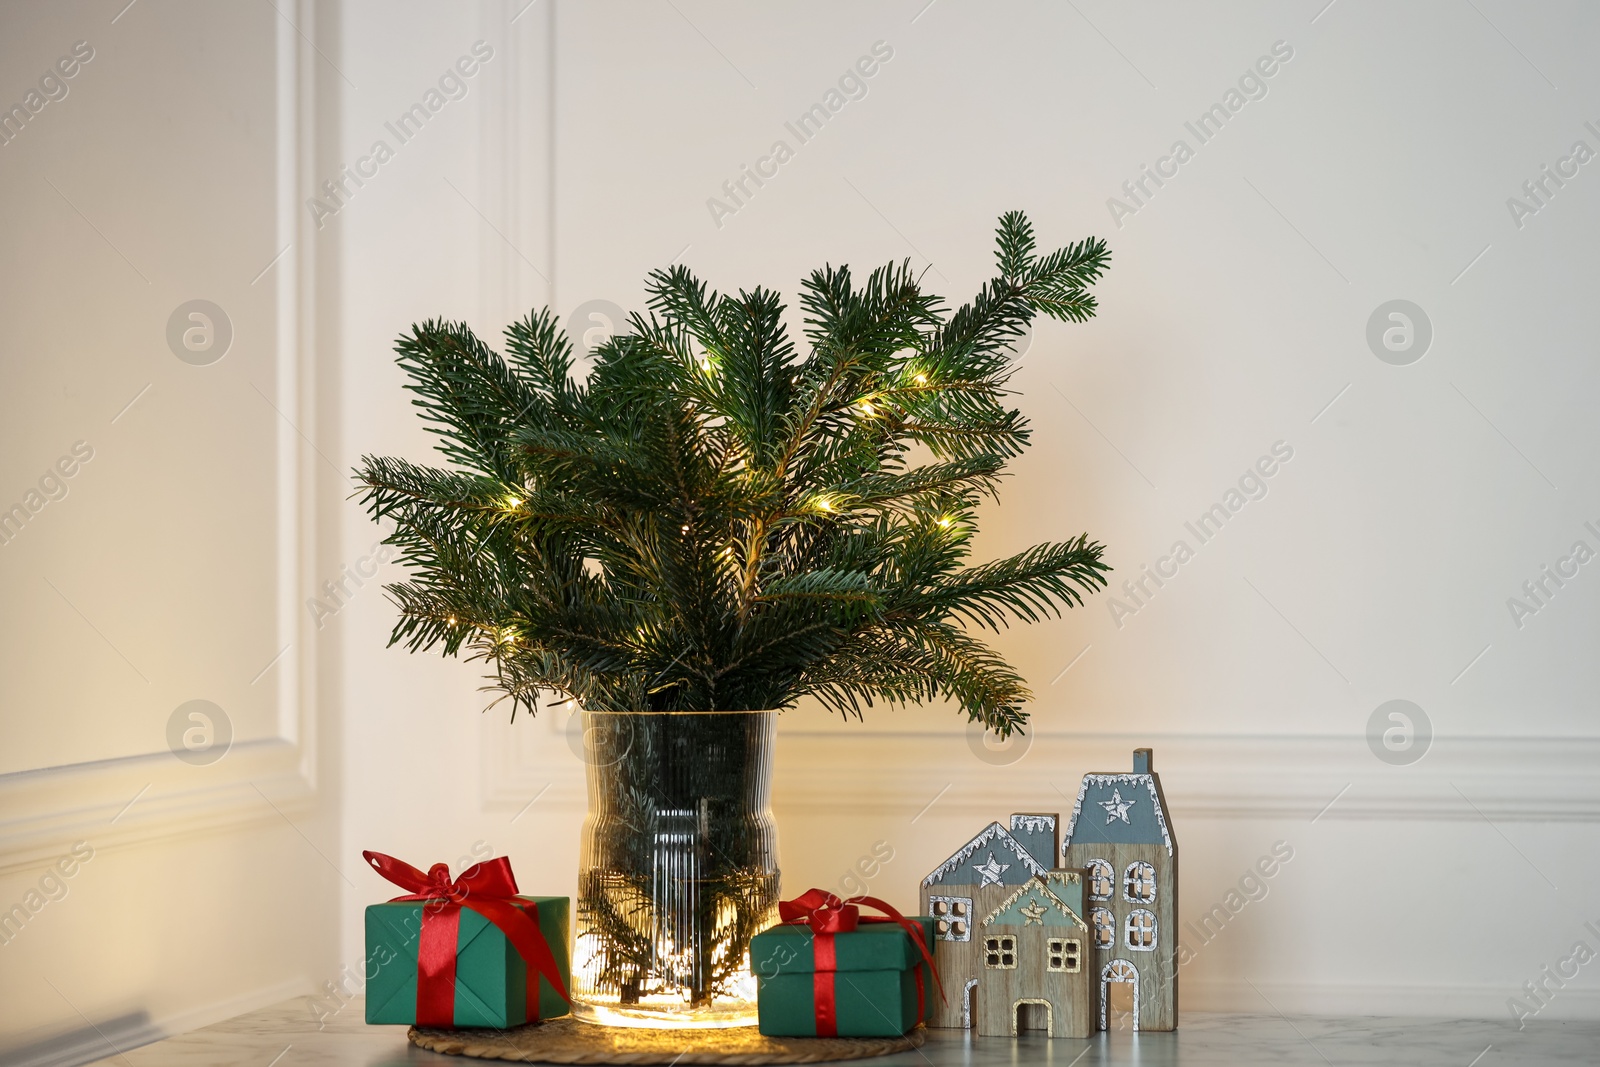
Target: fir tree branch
713,519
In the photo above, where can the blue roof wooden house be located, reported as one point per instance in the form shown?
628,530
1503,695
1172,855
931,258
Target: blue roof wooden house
1119,834
1036,933
970,885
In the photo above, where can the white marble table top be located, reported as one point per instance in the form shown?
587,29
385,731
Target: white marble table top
287,1035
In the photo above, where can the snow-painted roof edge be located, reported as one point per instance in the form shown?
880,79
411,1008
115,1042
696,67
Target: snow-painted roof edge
994,833
1146,780
1034,823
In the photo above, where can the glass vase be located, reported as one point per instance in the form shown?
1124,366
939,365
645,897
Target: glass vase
679,868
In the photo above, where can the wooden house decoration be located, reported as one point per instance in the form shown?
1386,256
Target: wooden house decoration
970,886
1036,961
1119,834
1011,938
1032,932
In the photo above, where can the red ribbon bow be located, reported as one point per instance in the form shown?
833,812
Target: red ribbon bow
827,915
488,888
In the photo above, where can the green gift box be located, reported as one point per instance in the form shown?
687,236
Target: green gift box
876,975
491,977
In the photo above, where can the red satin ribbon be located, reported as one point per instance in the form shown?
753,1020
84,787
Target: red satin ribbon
824,1003
827,916
487,888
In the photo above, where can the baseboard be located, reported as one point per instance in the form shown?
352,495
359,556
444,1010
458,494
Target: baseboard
109,1037
1414,1001
194,1018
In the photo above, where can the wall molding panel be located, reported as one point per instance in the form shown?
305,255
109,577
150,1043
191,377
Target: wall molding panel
144,797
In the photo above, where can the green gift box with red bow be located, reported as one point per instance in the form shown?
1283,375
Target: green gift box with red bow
465,952
829,971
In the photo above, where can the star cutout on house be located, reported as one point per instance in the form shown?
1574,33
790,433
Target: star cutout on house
991,871
1034,913
1116,807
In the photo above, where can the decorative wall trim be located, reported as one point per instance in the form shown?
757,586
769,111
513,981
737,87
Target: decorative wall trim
516,179
143,797
1238,777
122,802
517,271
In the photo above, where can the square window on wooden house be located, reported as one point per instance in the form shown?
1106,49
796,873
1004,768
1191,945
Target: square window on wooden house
1000,953
952,917
1065,955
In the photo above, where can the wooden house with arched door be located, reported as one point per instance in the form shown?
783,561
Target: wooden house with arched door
1036,962
1115,873
970,885
1120,835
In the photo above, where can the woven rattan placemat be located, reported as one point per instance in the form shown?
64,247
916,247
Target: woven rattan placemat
566,1040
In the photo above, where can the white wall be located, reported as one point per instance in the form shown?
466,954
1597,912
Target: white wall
1378,565
158,871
